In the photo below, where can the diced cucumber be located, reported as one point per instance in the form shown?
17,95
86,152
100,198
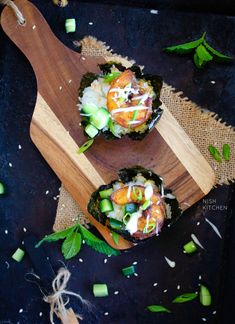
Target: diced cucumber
100,290
106,205
205,296
18,255
131,208
2,189
128,271
89,108
190,247
116,224
106,193
91,130
100,118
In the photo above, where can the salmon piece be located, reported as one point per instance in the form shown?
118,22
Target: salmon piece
125,118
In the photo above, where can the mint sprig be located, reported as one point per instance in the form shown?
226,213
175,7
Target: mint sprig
73,237
203,52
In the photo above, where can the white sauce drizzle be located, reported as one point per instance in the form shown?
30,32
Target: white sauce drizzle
213,227
195,239
148,192
129,192
170,262
128,109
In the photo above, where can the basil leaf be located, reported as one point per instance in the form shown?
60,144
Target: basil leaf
56,236
72,245
226,152
219,57
86,146
158,309
184,298
201,56
97,244
183,48
111,76
215,153
115,237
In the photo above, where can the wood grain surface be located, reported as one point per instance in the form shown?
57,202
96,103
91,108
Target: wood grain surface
55,130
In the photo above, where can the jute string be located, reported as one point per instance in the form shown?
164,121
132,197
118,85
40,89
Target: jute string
17,12
203,127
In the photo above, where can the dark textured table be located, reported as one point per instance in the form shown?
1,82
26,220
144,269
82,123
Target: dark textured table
137,33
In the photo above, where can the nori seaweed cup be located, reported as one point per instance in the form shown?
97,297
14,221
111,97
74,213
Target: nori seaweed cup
156,83
126,175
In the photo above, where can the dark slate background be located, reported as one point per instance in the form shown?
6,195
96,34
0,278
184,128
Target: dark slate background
131,31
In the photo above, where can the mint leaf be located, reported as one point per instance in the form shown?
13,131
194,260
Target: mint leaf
184,298
219,57
158,309
201,56
56,236
226,152
85,146
184,48
71,245
115,237
97,244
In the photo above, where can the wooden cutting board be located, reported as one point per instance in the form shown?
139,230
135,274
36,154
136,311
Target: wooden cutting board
55,130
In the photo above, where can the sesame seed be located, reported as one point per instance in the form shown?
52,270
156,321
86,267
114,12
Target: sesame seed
116,292
21,310
90,23
105,260
10,164
83,241
40,314
154,12
47,192
178,287
22,242
24,229
106,313
33,27
48,258
80,260
214,312
198,223
6,231
127,277
213,82
83,58
200,277
155,284
204,319
165,290
54,198
19,147
60,87
70,81
136,274
135,263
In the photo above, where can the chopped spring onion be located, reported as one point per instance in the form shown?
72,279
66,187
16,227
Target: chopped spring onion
106,193
106,205
115,237
184,298
137,193
130,208
205,296
121,99
190,247
100,290
89,108
85,146
91,130
111,76
18,255
146,204
158,309
128,271
126,218
116,224
2,189
135,115
70,25
149,228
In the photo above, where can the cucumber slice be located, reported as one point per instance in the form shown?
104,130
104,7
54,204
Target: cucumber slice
205,296
116,224
190,247
2,189
89,108
100,290
106,205
18,255
131,208
100,118
106,193
91,130
128,271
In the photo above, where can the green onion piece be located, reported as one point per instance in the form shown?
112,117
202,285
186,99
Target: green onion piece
2,189
205,296
135,115
100,290
128,271
190,247
149,228
106,193
106,205
139,195
184,298
18,255
121,99
70,25
226,152
85,146
111,76
114,223
115,237
158,309
126,218
146,204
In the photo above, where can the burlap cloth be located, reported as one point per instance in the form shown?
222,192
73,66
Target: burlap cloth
203,128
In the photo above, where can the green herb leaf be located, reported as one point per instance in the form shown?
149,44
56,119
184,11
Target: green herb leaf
184,298
71,245
158,309
111,76
56,236
184,48
97,244
86,146
115,237
219,57
226,152
214,153
201,56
